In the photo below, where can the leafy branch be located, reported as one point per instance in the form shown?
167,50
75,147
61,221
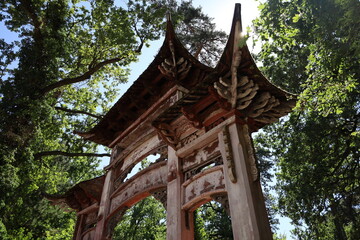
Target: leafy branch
87,75
83,77
68,154
78,112
36,22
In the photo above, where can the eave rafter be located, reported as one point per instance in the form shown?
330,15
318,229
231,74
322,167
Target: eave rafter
81,195
243,86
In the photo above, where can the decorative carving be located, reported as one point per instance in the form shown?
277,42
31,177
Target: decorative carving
239,93
182,126
221,101
223,200
199,168
229,155
168,68
113,221
275,113
161,195
174,69
263,103
207,181
189,138
192,117
167,134
216,123
250,154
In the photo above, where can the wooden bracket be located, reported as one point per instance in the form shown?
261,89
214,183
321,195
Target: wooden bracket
167,134
250,153
223,103
192,116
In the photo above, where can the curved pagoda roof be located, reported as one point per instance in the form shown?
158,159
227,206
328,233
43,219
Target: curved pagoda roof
81,195
236,82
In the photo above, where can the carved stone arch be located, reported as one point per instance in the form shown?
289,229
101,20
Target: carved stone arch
160,195
222,198
140,186
151,146
113,220
199,189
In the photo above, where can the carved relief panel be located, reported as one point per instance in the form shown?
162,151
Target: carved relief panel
151,178
208,182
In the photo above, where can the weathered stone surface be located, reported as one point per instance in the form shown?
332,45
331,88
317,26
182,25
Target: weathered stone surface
200,156
142,183
203,185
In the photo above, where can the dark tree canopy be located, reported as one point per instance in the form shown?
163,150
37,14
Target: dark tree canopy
312,48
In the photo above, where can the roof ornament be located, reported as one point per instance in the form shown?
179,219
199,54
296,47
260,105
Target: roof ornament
239,91
174,69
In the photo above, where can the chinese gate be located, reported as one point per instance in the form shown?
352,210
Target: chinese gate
199,120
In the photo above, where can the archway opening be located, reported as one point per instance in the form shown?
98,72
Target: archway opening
212,222
145,220
141,165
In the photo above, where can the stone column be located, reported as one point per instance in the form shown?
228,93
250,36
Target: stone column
247,207
180,224
79,227
104,206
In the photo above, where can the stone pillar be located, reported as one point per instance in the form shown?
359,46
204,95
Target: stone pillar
180,224
104,206
247,208
79,227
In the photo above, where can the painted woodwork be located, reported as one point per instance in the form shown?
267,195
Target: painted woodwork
153,177
199,121
199,188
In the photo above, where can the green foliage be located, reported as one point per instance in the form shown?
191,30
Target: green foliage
69,54
197,32
212,222
279,237
145,220
312,48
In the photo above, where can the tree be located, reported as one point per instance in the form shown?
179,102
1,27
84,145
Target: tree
198,33
69,58
212,222
312,48
144,220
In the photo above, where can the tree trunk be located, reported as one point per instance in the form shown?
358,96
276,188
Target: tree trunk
340,232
